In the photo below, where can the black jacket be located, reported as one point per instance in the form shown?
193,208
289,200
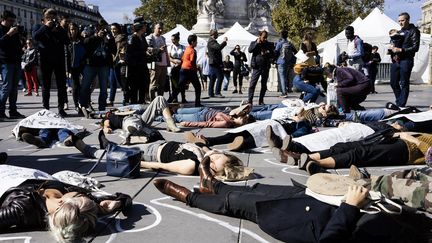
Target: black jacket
10,47
411,42
305,219
24,208
215,52
239,58
99,50
52,42
136,51
262,54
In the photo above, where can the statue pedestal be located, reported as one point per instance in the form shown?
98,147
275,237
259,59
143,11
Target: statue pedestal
204,25
259,24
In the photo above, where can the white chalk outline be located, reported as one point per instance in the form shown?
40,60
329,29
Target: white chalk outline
224,224
27,239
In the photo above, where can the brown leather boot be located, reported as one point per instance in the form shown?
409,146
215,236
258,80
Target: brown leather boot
192,138
171,189
237,144
207,179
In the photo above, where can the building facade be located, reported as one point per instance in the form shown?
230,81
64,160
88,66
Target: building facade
426,25
29,12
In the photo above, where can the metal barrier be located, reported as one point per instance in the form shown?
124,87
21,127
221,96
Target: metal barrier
383,74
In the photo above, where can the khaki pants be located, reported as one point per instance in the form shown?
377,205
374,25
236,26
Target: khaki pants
157,81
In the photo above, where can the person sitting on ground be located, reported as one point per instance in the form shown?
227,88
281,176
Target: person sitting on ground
307,79
135,122
208,117
175,157
42,202
286,213
252,135
352,86
404,150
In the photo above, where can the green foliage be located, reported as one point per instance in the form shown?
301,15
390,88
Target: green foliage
326,17
170,12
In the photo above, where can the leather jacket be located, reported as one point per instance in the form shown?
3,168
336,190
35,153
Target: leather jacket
22,207
411,42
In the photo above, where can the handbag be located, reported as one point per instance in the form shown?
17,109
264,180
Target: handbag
121,161
244,70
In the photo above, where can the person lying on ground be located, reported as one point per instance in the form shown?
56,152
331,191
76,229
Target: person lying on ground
42,202
175,157
252,135
44,128
135,122
403,150
286,213
208,117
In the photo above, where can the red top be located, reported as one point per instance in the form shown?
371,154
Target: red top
189,59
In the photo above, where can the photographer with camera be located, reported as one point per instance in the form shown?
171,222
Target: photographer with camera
52,39
10,64
99,50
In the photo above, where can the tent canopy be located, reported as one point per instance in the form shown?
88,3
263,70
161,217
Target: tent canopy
184,33
237,35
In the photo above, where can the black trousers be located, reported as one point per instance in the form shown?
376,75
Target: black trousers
191,76
139,81
237,73
175,84
59,71
249,141
240,201
76,84
256,74
354,153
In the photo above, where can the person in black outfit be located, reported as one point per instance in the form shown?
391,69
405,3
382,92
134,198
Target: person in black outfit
372,66
401,71
239,59
52,39
138,79
10,64
288,214
262,53
228,66
215,61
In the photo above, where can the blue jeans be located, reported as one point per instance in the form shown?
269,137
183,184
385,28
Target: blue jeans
216,77
10,75
264,112
50,136
400,80
226,81
89,74
367,115
283,78
194,114
312,91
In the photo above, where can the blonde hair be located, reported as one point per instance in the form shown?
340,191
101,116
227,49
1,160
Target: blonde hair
74,220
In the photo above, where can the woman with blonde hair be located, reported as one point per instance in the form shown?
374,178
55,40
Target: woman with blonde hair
70,212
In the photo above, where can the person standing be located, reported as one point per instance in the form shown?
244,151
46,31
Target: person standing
188,71
354,50
99,50
372,67
175,52
52,39
239,59
228,66
136,55
215,61
76,63
285,52
401,71
119,64
29,63
10,65
262,53
157,46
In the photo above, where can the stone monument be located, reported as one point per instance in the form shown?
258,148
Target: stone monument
222,14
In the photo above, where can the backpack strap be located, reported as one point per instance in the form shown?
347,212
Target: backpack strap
96,164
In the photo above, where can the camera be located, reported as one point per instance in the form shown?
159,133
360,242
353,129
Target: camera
20,28
56,23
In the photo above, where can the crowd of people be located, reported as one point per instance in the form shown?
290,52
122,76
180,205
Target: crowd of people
145,68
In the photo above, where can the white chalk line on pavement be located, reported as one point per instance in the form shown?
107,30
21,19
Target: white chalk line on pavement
224,224
26,239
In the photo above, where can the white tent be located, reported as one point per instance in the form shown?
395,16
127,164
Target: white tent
237,35
184,33
374,30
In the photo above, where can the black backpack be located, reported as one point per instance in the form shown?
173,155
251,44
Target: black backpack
367,52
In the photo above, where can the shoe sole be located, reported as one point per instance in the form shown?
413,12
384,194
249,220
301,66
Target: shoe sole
190,137
302,162
286,142
277,154
236,144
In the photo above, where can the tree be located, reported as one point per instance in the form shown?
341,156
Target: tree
170,12
326,17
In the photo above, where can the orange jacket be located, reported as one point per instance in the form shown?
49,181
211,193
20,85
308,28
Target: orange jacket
189,59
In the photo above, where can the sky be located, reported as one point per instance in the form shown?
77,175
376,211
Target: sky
114,10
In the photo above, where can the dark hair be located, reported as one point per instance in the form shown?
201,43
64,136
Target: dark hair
284,33
407,16
308,36
101,23
192,38
49,11
374,47
350,28
161,24
117,26
64,16
73,24
7,14
177,36
262,32
213,32
328,68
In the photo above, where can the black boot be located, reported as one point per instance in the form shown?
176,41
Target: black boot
103,141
